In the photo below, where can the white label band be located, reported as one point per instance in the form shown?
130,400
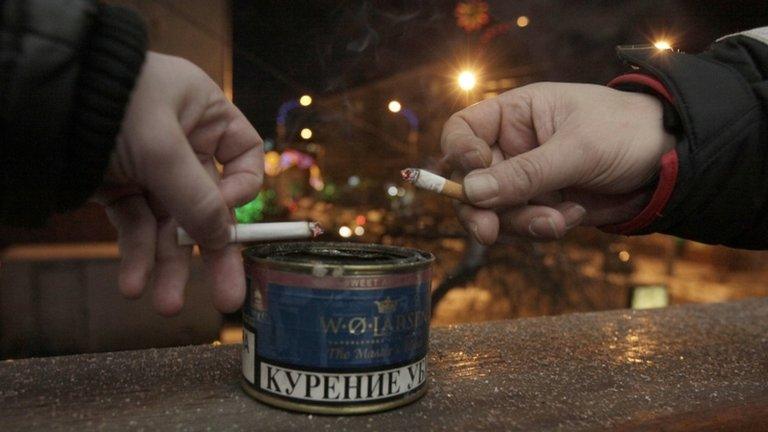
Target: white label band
342,387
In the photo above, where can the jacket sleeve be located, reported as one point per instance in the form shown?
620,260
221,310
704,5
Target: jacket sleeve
67,68
713,186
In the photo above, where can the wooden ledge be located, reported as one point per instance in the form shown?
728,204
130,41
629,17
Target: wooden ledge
697,367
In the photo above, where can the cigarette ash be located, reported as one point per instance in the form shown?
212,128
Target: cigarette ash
409,175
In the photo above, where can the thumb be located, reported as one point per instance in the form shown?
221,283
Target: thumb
172,173
554,165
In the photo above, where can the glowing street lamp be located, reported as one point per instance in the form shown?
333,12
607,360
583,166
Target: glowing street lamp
306,133
305,100
523,21
467,80
394,106
662,45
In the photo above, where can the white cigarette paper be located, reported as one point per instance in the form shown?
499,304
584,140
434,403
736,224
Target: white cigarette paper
262,232
429,181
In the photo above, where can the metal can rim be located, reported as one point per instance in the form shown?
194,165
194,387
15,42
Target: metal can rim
262,255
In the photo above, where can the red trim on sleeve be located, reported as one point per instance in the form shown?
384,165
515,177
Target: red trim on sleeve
643,79
652,211
669,165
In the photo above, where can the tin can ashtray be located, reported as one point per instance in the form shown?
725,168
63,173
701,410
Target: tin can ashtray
336,328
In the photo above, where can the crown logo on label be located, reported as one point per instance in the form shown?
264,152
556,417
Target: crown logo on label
386,306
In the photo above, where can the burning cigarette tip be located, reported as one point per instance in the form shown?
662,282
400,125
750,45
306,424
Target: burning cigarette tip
316,229
409,174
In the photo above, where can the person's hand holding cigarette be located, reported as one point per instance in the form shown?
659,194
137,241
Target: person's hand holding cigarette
544,158
163,176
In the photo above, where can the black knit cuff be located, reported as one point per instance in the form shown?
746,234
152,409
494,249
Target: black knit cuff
112,58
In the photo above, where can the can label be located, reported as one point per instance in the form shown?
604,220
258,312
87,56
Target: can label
345,339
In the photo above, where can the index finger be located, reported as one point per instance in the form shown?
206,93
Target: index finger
469,134
240,151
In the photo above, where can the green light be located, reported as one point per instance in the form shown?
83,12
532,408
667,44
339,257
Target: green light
255,210
328,191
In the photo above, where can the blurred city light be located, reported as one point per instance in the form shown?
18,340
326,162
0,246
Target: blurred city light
394,106
353,181
624,256
392,191
306,133
359,231
272,163
662,45
305,100
523,21
467,80
345,231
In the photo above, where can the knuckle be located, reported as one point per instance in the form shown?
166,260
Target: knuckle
523,177
448,136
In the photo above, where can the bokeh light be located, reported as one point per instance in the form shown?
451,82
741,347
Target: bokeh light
345,231
624,256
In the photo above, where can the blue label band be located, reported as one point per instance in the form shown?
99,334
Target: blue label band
341,330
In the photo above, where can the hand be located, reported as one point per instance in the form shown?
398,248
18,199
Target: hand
544,158
163,175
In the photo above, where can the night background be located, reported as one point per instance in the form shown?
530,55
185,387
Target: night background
286,49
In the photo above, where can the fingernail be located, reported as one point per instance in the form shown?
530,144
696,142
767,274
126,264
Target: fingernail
472,160
480,187
543,227
573,215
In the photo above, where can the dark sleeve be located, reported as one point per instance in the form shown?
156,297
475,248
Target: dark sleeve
67,68
713,187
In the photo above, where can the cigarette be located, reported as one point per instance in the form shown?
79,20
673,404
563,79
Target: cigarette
424,179
262,232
